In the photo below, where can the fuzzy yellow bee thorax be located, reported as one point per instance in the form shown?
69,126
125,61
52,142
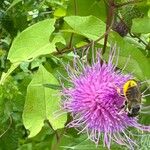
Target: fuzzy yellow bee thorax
129,84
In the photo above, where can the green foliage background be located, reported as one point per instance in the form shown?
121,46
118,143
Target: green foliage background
36,38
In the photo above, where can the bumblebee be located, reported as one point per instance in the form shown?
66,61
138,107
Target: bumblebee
133,95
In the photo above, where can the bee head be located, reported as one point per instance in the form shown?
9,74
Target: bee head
134,111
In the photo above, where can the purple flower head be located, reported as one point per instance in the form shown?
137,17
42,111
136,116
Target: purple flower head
94,102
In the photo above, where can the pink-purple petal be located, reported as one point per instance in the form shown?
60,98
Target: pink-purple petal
95,104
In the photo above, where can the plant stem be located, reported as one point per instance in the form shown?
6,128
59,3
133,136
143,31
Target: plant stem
10,123
67,50
55,147
109,20
57,136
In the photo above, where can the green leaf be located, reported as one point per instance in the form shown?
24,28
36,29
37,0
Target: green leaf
138,63
81,43
60,12
149,13
41,103
81,142
37,62
32,42
9,140
96,8
10,70
52,86
58,38
13,4
141,25
90,26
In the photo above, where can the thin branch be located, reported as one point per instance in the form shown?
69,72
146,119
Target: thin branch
109,23
140,40
59,51
109,20
72,34
67,50
75,7
10,123
75,13
55,131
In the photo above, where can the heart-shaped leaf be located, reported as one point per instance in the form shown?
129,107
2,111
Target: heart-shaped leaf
33,42
41,103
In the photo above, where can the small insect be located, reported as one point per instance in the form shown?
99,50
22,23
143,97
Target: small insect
133,95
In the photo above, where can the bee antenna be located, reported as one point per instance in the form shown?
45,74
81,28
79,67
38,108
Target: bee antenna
146,95
144,108
145,112
145,81
145,90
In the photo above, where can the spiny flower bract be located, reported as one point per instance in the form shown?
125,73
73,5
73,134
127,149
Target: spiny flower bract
94,102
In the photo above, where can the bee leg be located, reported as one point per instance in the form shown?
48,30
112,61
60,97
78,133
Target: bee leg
125,102
123,107
122,95
118,91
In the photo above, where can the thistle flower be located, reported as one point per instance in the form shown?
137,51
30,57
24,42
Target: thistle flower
94,103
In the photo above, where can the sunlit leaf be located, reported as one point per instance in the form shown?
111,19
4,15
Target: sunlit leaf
87,7
141,25
90,26
41,103
60,12
10,70
33,42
